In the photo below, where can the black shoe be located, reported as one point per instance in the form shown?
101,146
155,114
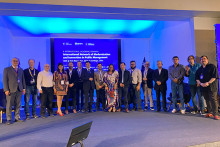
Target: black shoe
165,110
35,116
90,111
51,115
145,108
8,122
27,117
18,120
158,110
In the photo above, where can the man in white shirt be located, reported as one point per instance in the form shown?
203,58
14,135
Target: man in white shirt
134,89
45,87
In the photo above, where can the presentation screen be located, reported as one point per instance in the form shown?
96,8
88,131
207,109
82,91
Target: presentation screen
105,51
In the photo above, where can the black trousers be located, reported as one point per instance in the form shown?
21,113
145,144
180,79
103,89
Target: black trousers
164,100
71,93
211,101
88,93
79,90
134,96
14,99
100,94
47,98
123,92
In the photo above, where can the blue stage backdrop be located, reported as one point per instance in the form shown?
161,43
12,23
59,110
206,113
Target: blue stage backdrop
105,51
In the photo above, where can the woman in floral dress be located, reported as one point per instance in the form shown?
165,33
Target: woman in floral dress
111,82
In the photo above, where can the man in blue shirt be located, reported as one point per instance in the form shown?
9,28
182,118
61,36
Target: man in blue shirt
194,87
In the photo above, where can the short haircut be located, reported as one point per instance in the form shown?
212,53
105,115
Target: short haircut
79,62
159,61
122,63
175,57
132,61
99,63
192,57
203,56
71,62
88,62
30,60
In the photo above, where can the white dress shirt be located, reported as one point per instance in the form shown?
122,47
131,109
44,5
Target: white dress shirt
44,79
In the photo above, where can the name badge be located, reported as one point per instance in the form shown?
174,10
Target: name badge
18,80
32,81
62,82
201,76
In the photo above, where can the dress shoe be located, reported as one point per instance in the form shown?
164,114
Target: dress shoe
18,120
209,115
140,110
8,122
216,117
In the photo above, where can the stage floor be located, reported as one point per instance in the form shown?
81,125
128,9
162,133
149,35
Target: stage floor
134,129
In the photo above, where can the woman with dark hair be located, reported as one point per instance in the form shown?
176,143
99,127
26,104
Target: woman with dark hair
60,86
111,82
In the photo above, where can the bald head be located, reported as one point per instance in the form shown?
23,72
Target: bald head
47,67
147,64
15,61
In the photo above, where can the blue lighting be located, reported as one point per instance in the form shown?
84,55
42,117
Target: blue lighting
54,25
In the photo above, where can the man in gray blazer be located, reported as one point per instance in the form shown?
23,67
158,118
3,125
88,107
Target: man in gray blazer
100,87
14,85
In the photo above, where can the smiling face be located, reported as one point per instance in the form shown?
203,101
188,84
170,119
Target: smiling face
60,67
15,62
147,65
31,63
70,65
204,60
191,60
175,61
159,64
47,67
99,66
111,68
132,65
122,65
79,65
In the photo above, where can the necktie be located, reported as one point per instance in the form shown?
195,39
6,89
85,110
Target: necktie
122,76
100,76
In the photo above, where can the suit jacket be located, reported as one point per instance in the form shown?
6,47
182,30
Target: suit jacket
78,78
149,77
87,84
163,77
72,79
97,79
10,80
127,78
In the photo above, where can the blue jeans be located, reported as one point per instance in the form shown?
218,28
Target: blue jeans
177,88
31,90
194,89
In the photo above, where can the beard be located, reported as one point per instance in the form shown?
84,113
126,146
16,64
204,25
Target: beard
133,67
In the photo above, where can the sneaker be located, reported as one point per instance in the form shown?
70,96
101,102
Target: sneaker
193,112
8,122
174,111
209,115
35,116
216,117
126,110
183,111
152,108
202,112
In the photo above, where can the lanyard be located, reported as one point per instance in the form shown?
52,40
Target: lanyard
31,73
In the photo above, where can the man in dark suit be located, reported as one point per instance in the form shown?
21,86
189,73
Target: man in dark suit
147,85
160,78
79,85
71,73
123,84
88,86
14,85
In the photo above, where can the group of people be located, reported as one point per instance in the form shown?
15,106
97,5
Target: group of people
113,88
